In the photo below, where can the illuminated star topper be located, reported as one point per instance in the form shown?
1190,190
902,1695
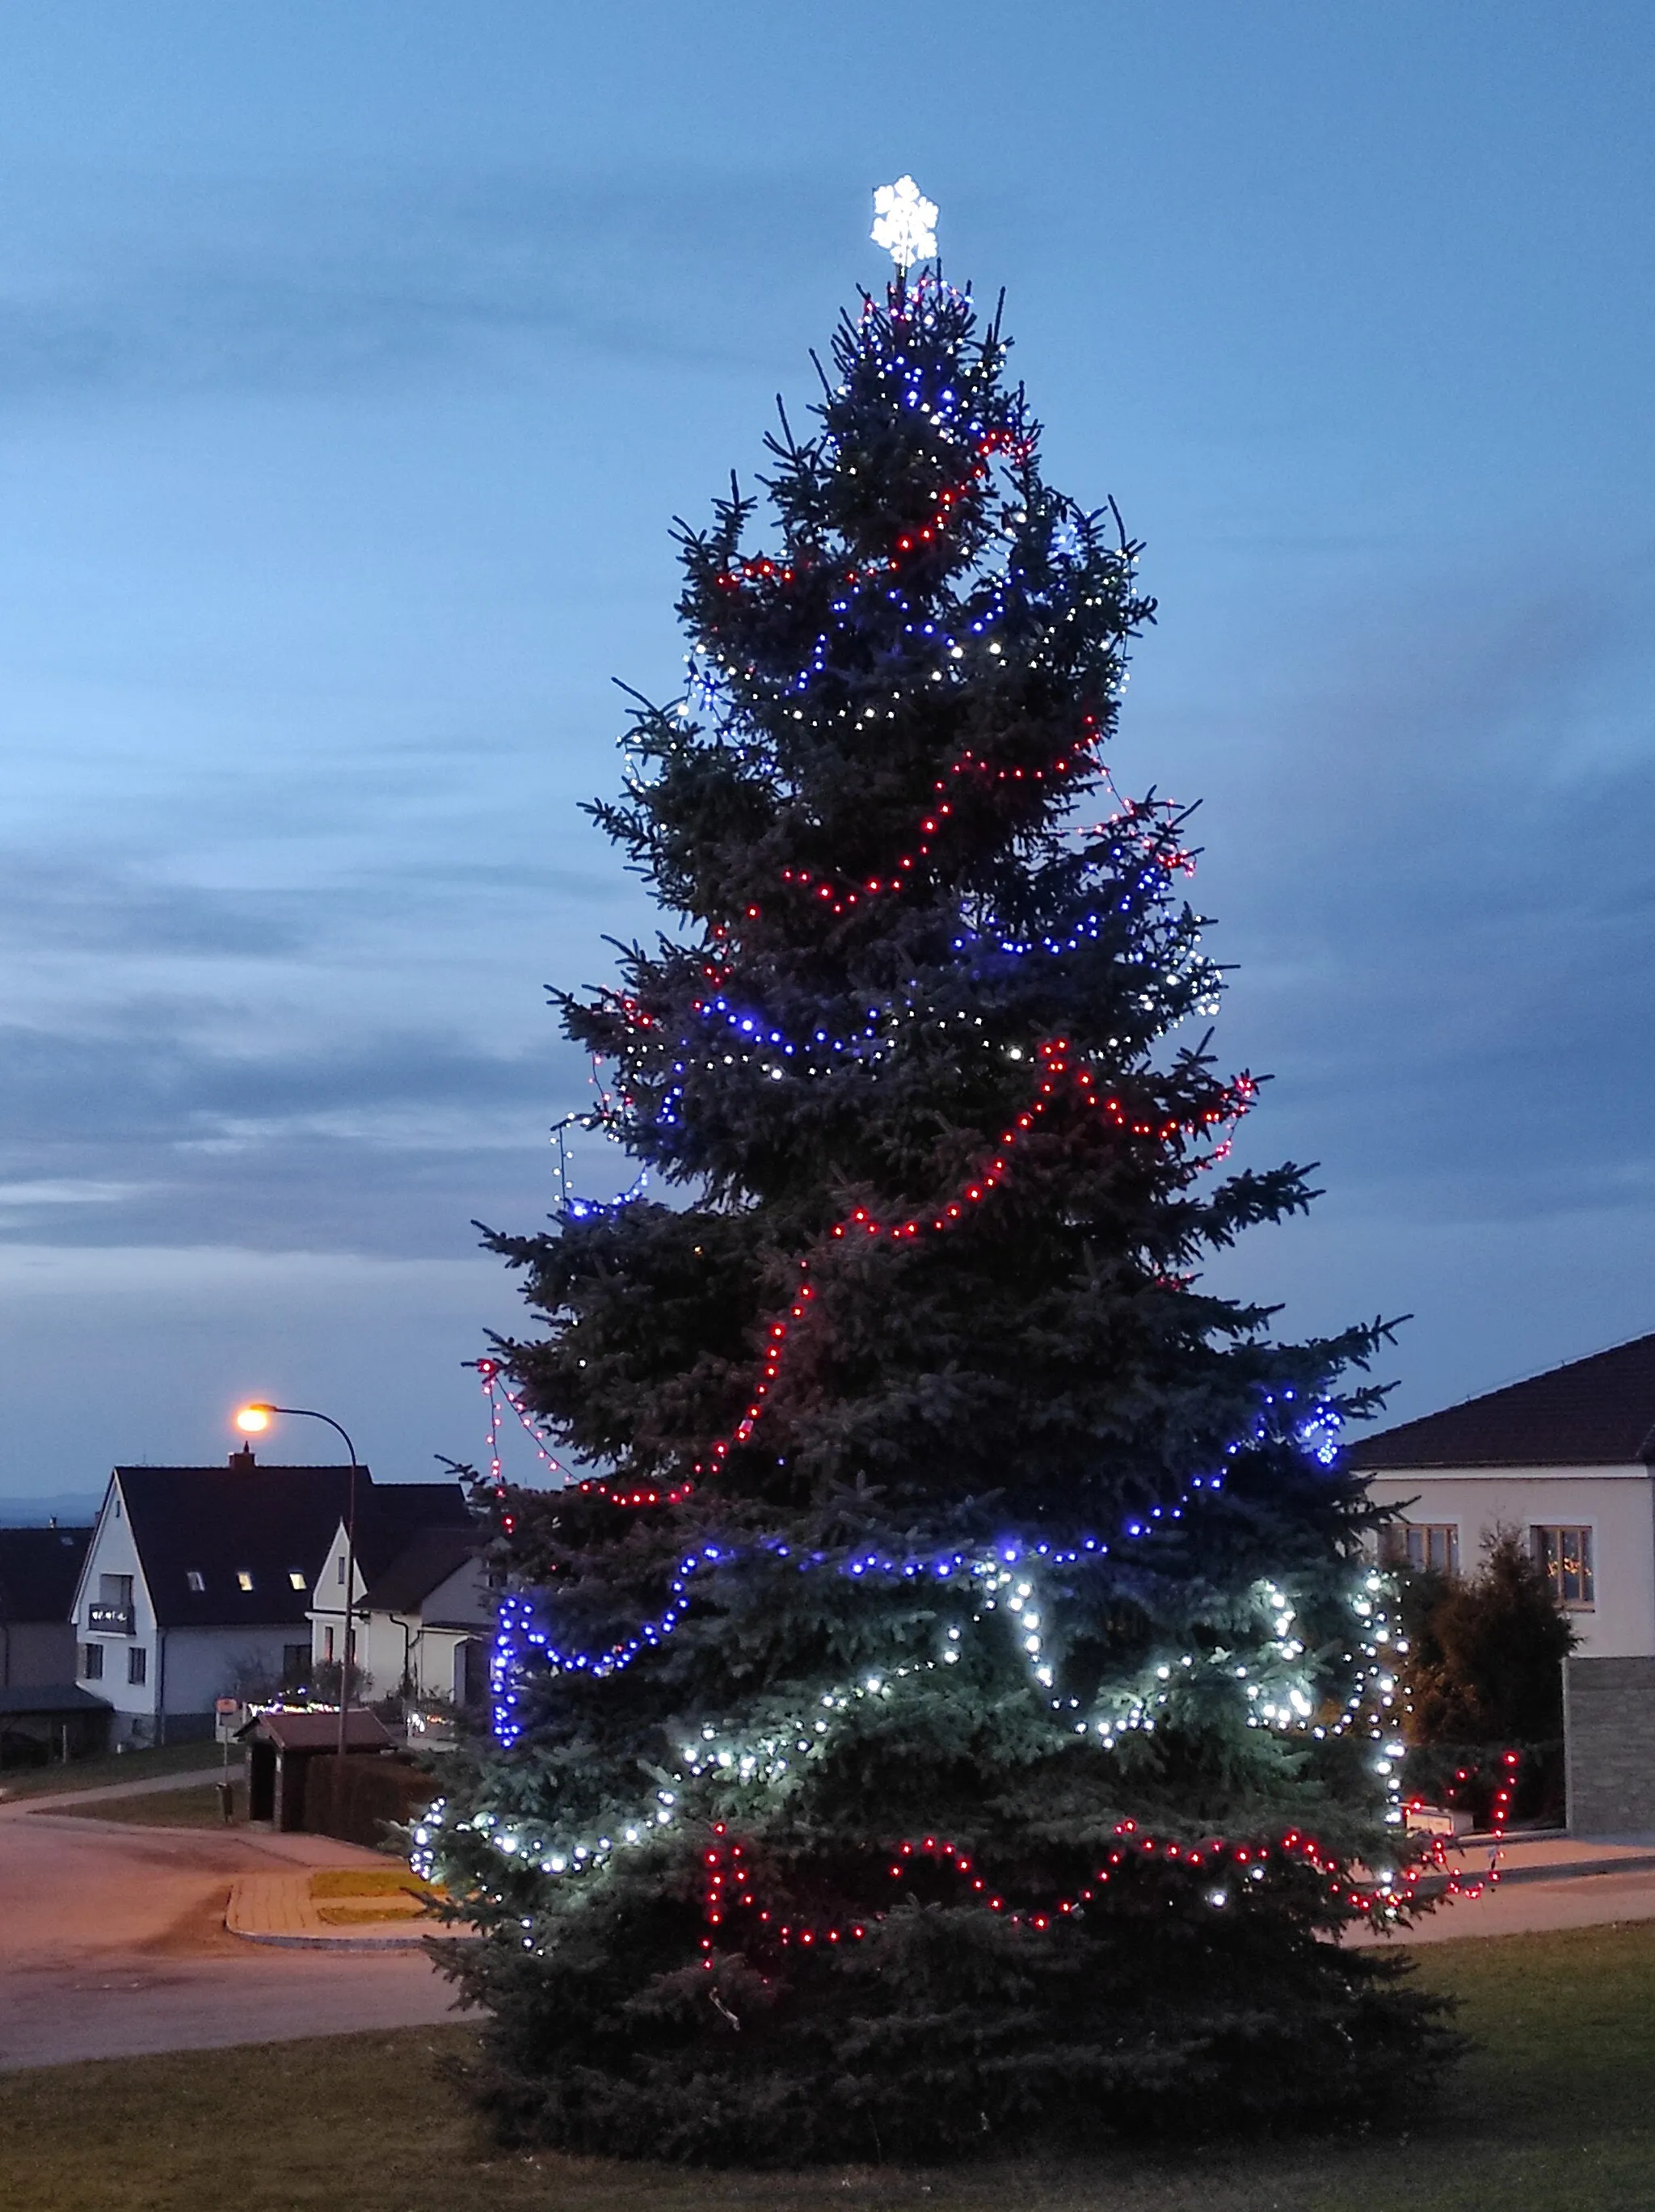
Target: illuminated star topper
905,221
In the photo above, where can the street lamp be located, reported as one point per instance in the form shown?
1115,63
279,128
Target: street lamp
252,1420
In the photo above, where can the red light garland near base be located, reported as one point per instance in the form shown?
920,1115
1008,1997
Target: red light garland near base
727,1889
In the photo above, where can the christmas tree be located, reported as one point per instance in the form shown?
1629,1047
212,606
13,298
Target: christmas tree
956,1715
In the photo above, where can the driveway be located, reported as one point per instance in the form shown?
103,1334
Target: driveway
113,1943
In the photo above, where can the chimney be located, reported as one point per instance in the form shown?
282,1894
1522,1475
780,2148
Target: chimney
241,1460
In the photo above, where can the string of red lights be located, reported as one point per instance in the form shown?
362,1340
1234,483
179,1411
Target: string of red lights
728,1887
762,570
1054,1063
931,824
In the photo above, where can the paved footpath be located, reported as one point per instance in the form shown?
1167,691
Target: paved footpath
113,1942
1546,1882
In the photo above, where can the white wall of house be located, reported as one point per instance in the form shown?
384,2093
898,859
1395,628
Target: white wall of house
1616,1504
327,1612
202,1664
112,1552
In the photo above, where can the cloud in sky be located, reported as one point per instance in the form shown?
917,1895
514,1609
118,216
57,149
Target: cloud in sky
1438,852
281,287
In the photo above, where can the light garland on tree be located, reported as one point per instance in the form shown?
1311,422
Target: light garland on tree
768,1760
983,1598
1054,1063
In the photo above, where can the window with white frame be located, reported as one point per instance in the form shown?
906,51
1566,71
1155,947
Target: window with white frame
92,1663
1564,1557
138,1664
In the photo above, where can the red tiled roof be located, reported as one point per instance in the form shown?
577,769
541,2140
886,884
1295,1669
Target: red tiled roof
297,1731
1599,1412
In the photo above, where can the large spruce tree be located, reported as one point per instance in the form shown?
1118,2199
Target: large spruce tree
956,1715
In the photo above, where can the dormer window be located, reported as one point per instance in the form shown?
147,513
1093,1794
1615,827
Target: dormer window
197,1580
295,1578
244,1580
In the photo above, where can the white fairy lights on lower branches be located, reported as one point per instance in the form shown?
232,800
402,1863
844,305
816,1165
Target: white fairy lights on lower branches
1004,1583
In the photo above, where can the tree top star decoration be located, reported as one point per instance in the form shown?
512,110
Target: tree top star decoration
905,222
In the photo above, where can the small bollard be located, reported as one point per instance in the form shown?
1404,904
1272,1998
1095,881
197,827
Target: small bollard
226,1801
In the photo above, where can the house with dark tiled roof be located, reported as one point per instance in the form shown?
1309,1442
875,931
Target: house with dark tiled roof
1568,1458
423,1609
39,1570
198,1582
44,1713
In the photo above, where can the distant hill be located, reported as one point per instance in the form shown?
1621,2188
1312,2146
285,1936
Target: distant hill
72,1508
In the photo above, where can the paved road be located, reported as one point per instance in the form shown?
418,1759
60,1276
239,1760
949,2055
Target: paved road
113,1942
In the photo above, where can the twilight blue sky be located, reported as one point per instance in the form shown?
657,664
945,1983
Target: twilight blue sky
353,356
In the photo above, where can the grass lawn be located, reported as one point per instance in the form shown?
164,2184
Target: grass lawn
194,1805
1554,2113
98,1773
351,1897
369,1882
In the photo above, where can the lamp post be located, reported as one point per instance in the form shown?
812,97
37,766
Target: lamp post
252,1420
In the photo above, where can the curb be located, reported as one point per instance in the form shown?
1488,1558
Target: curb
358,1944
1573,1869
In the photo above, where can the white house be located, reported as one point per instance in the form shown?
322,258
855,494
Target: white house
420,1594
198,1583
1567,1458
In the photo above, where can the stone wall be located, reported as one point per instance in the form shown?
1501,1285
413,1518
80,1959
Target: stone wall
1608,1727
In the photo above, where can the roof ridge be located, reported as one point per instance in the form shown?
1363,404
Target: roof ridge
1596,1410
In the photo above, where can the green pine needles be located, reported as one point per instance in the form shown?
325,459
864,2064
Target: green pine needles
958,1715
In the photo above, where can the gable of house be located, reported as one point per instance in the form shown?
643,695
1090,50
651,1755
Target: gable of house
39,1570
386,1524
437,1577
232,1547
1562,1458
1596,1412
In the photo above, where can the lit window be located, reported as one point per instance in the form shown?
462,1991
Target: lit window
1564,1557
195,1579
295,1578
244,1580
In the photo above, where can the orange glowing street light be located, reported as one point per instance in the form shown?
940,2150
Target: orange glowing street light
252,1420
